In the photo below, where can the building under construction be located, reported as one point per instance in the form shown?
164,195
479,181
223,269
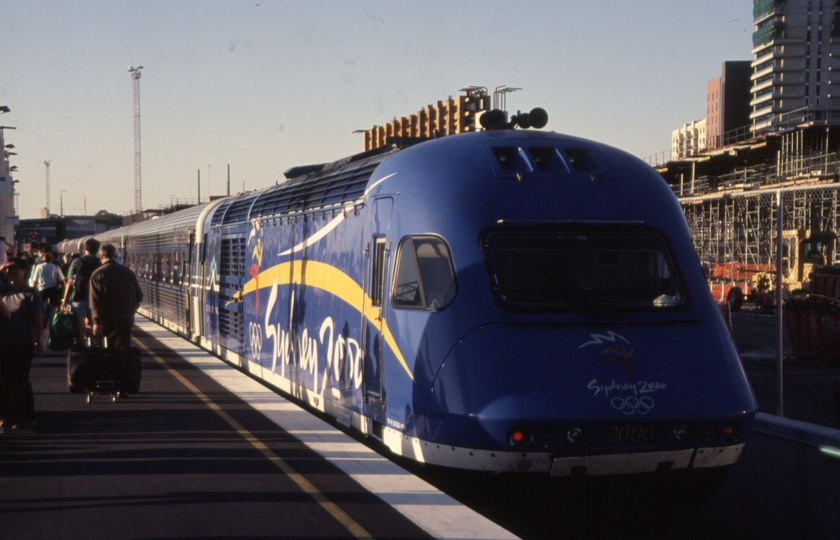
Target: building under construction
730,198
455,115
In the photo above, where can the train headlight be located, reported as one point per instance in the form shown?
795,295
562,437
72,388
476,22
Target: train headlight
548,435
575,435
681,433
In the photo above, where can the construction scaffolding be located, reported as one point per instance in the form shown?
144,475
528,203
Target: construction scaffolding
729,197
734,233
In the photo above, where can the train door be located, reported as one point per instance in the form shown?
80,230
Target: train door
201,283
187,283
212,286
377,251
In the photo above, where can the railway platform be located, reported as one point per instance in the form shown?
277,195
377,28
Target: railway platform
203,451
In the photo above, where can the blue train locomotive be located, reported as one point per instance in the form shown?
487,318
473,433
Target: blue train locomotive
502,300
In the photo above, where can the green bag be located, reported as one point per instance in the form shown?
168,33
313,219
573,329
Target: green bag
62,331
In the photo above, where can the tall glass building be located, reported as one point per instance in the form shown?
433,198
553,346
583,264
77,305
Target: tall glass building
796,67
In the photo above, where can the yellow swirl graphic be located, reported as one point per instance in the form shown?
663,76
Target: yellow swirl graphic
330,279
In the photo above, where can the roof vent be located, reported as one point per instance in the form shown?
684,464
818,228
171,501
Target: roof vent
511,159
548,159
582,160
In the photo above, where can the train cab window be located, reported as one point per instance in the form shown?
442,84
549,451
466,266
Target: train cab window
424,275
586,270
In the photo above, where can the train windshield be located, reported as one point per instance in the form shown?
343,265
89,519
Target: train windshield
582,271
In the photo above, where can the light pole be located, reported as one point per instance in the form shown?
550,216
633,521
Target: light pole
61,197
138,190
15,198
7,199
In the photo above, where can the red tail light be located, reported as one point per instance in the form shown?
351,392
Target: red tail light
730,431
519,436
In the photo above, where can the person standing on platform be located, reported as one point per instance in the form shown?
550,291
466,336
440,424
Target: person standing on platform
4,314
20,341
115,295
48,278
77,290
6,250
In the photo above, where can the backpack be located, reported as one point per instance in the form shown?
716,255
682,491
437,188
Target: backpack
81,280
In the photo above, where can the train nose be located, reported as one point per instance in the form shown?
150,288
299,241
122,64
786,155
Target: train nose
513,386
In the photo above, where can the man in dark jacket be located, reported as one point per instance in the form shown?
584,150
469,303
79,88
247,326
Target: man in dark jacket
115,295
20,341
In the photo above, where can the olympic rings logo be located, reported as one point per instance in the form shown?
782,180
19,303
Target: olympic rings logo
255,333
633,404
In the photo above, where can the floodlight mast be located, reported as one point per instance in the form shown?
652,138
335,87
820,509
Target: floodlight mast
47,165
138,183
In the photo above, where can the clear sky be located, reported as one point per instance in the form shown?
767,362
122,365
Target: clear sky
264,85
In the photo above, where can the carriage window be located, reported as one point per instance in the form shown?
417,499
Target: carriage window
176,270
587,270
424,275
166,268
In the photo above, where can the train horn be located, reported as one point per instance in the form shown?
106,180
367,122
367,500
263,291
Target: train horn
523,120
493,119
538,117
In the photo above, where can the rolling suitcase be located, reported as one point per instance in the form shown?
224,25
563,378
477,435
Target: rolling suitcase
98,370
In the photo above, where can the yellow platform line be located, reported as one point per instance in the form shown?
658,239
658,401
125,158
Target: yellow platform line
340,515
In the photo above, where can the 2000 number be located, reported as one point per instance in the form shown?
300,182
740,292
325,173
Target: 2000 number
631,434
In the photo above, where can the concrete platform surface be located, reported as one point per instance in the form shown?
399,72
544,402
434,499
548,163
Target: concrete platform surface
204,451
